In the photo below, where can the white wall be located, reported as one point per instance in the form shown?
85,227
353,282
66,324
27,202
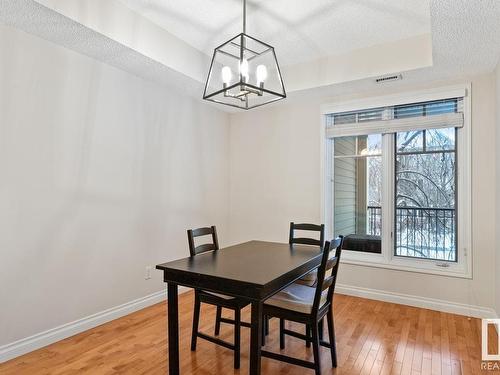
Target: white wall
100,175
497,271
275,179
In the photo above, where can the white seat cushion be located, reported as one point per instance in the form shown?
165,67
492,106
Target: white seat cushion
296,297
309,279
311,275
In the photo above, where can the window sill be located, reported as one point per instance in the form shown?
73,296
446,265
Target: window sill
453,272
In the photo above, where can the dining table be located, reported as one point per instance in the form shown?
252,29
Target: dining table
253,270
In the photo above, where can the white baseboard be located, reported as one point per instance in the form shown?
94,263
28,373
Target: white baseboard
52,335
423,302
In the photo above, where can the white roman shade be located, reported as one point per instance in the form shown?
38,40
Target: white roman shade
435,114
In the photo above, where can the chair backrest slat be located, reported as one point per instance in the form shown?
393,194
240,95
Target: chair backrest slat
332,262
306,241
204,248
307,227
327,283
202,231
328,265
193,233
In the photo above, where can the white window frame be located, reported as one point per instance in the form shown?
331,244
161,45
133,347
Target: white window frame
463,267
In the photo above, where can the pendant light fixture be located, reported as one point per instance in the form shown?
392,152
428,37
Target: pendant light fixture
244,73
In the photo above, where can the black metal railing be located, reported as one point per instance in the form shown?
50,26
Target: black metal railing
374,220
422,232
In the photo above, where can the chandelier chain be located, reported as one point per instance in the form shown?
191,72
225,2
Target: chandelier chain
244,16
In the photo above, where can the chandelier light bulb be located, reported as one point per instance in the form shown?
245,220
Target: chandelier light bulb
244,69
226,75
261,74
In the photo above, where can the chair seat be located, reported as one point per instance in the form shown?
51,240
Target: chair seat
296,297
218,295
223,296
222,300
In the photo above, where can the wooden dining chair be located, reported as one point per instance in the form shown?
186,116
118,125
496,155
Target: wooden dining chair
303,304
215,299
310,278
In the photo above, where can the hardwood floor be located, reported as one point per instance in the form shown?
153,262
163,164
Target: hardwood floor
372,338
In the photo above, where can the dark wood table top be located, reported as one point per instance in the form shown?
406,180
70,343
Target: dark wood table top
252,269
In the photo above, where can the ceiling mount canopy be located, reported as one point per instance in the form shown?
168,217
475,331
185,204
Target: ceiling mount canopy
244,73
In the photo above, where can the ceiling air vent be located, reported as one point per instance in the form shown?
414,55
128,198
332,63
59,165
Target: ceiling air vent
395,77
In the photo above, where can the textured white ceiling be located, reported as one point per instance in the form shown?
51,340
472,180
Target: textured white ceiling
465,36
465,41
39,20
299,30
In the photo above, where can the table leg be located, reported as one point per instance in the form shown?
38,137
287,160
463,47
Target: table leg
255,338
173,330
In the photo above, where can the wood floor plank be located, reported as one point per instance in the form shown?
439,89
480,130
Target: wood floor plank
373,338
419,342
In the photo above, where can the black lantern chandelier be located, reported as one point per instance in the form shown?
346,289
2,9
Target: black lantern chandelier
244,73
